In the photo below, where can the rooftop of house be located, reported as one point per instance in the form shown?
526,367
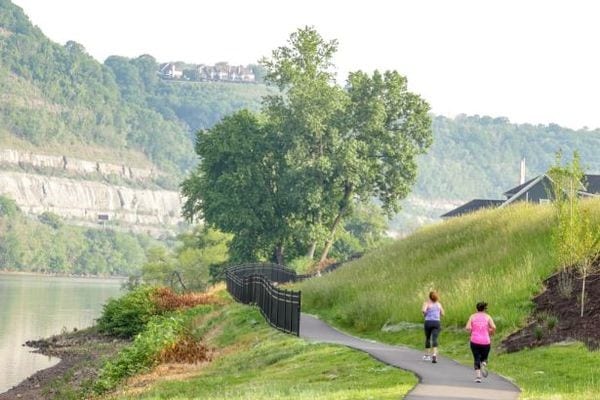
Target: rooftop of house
473,205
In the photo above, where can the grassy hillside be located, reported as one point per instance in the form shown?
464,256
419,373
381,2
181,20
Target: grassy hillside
500,256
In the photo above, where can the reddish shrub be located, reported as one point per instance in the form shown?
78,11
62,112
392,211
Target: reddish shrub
186,350
167,300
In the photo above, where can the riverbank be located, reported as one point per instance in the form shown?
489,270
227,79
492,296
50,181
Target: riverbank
81,354
9,272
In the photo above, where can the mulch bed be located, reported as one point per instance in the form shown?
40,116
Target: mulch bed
557,315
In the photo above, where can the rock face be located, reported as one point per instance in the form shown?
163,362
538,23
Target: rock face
74,165
86,200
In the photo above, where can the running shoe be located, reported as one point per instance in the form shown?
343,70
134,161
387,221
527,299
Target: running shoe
477,380
484,370
426,357
434,359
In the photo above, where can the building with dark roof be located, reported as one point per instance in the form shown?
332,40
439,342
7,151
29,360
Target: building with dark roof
473,205
536,190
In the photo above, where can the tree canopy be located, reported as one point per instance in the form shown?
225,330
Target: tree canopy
289,176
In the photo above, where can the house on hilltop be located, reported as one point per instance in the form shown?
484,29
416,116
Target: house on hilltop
170,71
536,190
225,73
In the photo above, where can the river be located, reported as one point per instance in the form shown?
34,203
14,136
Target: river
34,307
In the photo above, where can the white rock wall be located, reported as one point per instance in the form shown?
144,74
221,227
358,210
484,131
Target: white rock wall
78,166
86,199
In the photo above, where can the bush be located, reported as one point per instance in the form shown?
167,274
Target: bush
165,338
159,333
128,315
167,300
8,207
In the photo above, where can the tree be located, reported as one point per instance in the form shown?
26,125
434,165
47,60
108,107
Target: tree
293,173
198,253
237,186
357,143
576,242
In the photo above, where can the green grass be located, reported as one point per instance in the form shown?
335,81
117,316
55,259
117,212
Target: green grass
501,256
262,363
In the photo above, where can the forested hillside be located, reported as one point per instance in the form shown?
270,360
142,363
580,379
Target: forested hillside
46,244
55,96
475,156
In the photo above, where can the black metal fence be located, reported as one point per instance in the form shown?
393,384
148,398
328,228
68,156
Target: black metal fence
256,284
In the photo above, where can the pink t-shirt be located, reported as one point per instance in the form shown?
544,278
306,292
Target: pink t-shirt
480,333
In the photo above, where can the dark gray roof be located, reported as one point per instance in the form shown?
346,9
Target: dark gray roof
511,192
473,205
592,184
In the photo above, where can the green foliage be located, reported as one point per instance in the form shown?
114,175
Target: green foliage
576,239
363,231
159,333
8,207
121,104
478,156
262,363
198,258
501,256
238,188
128,315
47,245
286,178
52,220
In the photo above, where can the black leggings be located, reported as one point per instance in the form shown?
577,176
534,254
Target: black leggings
432,331
480,353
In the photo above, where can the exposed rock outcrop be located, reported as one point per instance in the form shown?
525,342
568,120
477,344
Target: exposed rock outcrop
86,200
73,165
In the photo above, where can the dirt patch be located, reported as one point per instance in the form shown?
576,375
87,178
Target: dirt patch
557,315
81,353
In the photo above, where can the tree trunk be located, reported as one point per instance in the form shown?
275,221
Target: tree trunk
311,250
279,254
338,219
584,275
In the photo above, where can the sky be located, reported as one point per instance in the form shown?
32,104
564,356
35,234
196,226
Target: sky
530,61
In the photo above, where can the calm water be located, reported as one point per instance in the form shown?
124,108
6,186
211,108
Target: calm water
34,307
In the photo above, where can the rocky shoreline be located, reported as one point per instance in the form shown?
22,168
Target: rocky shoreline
81,354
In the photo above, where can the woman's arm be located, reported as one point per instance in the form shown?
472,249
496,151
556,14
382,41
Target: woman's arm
491,325
424,308
442,312
468,326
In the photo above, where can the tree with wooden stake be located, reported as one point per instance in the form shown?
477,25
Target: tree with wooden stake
576,242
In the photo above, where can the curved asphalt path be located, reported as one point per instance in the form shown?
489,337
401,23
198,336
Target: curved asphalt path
446,380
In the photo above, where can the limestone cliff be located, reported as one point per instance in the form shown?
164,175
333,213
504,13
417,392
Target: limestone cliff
81,199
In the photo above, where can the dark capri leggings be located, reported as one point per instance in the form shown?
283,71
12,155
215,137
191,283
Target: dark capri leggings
480,353
432,331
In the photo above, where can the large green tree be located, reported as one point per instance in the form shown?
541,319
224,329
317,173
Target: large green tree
315,151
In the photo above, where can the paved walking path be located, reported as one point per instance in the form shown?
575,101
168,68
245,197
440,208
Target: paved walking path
446,380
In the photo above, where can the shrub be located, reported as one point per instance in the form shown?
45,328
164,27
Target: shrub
159,333
165,338
128,315
186,350
167,300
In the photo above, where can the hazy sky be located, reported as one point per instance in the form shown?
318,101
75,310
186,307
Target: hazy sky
531,61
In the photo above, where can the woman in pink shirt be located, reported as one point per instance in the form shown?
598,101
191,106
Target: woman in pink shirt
481,326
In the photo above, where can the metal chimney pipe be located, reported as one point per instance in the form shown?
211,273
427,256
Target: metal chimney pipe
522,172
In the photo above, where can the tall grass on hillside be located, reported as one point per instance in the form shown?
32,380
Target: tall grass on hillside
500,256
